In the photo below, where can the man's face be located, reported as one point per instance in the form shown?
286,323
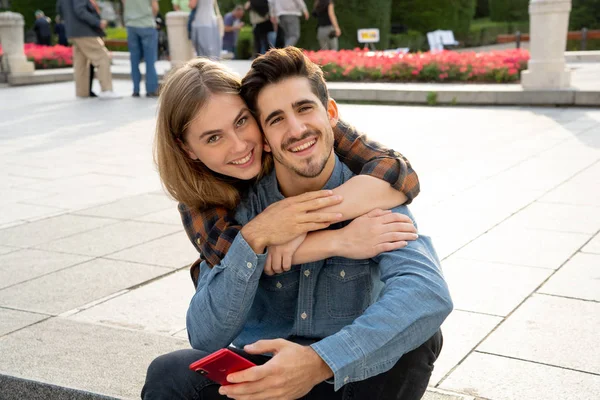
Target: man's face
297,128
238,14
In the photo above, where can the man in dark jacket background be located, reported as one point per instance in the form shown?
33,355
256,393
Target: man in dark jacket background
85,29
43,32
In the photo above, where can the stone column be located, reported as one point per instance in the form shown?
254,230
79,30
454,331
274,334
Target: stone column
549,24
12,37
180,46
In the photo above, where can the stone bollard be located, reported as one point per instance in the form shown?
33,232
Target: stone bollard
14,61
549,23
180,46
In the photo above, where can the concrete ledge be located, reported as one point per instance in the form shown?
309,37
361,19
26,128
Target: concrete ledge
582,56
17,388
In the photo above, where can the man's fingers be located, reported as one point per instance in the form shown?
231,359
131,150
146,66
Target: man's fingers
276,263
268,269
377,212
395,217
391,237
325,217
286,262
252,374
317,204
390,246
265,346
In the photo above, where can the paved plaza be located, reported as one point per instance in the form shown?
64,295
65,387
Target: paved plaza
93,276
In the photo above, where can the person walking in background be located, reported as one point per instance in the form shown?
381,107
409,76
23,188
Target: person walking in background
232,25
142,40
205,34
181,5
85,29
43,31
259,12
328,29
287,13
61,32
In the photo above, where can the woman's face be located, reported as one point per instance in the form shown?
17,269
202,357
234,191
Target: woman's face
226,138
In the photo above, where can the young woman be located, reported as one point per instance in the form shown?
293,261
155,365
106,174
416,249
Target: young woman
328,29
211,149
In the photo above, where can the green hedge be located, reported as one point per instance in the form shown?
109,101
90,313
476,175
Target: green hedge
585,14
352,15
509,10
483,32
482,9
430,15
414,40
28,7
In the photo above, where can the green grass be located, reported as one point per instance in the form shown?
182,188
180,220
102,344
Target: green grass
116,33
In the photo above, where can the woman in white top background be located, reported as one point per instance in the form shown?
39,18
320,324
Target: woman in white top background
206,35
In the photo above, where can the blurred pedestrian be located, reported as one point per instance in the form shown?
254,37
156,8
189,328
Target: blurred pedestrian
43,31
328,29
61,32
142,41
232,25
85,29
181,5
259,12
205,33
288,13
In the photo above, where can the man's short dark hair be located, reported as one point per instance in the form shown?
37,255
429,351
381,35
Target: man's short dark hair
279,64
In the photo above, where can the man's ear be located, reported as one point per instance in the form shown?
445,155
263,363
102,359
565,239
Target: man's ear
187,150
332,112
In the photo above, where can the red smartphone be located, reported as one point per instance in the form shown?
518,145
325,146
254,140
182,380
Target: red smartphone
218,365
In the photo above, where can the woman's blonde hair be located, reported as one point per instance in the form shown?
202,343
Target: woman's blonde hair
183,94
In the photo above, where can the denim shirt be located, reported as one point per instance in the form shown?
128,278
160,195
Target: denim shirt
360,316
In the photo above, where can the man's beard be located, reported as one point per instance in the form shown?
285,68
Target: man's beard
312,168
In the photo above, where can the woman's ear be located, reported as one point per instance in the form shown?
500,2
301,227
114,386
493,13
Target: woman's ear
187,150
266,147
332,112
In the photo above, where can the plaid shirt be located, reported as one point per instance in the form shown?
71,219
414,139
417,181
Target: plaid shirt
213,230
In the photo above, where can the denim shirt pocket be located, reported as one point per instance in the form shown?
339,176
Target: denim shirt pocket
281,292
348,285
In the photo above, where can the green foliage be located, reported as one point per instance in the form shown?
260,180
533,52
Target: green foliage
509,10
28,7
432,98
585,14
116,33
245,43
429,15
351,15
414,40
165,6
482,9
483,32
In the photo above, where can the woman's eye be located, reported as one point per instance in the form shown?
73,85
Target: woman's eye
213,139
241,122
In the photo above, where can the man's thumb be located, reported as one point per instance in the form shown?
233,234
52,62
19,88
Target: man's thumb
263,346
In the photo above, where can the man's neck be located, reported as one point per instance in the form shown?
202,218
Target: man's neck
291,184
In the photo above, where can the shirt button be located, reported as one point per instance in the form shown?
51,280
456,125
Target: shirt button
304,316
343,273
279,285
306,273
249,264
346,379
199,242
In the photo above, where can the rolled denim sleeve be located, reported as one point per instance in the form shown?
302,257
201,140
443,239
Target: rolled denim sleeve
411,307
225,293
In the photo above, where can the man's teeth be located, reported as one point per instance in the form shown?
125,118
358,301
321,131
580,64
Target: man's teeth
304,146
243,160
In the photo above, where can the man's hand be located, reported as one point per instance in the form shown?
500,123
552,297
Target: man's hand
103,24
306,15
292,372
280,257
274,22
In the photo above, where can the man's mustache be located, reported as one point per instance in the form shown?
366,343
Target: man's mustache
290,142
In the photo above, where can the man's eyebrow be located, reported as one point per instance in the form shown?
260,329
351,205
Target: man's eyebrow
213,131
297,104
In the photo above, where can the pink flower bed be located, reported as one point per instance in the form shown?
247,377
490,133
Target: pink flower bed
45,57
446,66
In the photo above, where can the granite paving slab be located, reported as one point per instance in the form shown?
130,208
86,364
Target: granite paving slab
169,216
76,286
131,207
462,332
172,251
480,286
110,239
527,247
18,388
21,212
578,278
26,264
84,356
558,217
46,230
493,377
593,246
12,320
544,329
149,308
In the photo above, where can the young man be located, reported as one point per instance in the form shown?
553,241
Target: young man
338,328
43,31
286,14
233,24
142,41
85,29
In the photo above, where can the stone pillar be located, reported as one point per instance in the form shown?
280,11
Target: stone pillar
180,46
549,24
12,37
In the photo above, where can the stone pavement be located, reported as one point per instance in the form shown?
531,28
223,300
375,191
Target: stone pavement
93,277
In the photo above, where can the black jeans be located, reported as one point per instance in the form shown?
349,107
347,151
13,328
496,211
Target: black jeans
169,377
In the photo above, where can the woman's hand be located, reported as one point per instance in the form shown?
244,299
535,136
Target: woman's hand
287,219
280,257
374,233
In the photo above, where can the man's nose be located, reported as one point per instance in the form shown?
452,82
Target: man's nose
296,126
